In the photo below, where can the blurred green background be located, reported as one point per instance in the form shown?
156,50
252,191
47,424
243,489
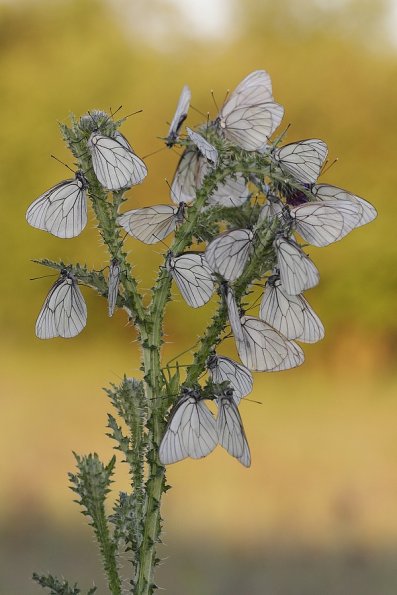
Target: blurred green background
316,513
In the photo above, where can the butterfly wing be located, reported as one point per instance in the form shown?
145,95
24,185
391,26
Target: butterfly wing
294,358
179,116
250,126
318,223
231,434
232,193
205,148
190,432
150,224
113,285
115,164
193,276
228,254
259,346
297,271
302,160
62,210
189,175
367,212
64,313
225,369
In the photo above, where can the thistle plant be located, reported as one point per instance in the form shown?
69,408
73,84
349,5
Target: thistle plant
254,204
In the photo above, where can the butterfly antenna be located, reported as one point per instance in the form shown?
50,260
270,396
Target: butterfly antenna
214,100
198,111
42,277
113,113
63,163
153,153
183,353
327,166
281,136
139,111
226,96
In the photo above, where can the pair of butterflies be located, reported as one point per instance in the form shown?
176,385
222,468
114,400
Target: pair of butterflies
260,346
193,431
247,118
62,210
64,312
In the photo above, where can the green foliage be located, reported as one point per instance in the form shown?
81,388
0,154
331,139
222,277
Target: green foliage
59,586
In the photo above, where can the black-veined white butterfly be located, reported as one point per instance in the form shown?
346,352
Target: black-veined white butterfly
224,369
62,210
193,277
302,160
114,162
152,224
291,315
294,358
270,210
250,116
231,434
189,175
205,148
113,285
191,430
259,346
297,271
229,253
321,223
326,192
233,192
64,313
179,116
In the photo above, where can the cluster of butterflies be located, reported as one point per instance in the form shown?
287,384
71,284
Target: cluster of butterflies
319,213
62,211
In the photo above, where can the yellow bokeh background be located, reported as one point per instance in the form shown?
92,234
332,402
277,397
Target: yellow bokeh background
317,511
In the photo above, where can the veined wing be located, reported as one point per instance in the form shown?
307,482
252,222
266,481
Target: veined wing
205,148
228,254
113,285
189,175
291,315
115,164
225,369
259,346
302,160
179,116
250,127
62,210
232,193
327,192
191,430
64,313
193,276
231,434
297,271
295,357
151,224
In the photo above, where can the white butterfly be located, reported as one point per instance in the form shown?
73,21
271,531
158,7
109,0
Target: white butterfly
205,148
322,222
259,346
115,164
62,210
231,434
303,160
179,116
326,192
189,175
291,315
250,116
193,276
64,313
233,192
229,253
191,430
270,210
225,369
297,271
113,285
152,224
